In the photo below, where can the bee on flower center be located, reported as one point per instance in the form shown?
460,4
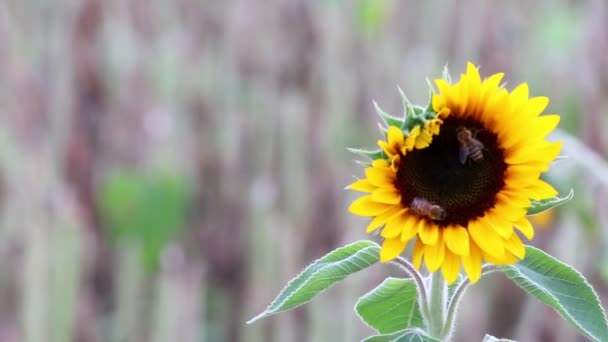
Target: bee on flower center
425,208
469,146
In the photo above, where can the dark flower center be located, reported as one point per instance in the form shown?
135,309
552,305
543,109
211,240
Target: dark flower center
464,190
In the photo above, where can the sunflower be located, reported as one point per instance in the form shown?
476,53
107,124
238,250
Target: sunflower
456,204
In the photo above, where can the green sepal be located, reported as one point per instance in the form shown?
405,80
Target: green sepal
369,154
408,107
407,335
419,110
412,121
387,118
429,105
537,207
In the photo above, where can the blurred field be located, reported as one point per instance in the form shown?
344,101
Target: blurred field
167,166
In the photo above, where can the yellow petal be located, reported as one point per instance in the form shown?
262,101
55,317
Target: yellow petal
443,86
391,248
486,238
507,214
444,113
417,254
362,185
428,232
383,218
450,267
536,128
515,246
545,125
387,148
472,263
497,103
536,105
520,94
473,74
490,85
381,164
380,177
395,137
522,173
519,190
503,227
364,206
423,140
433,255
541,151
473,87
512,201
388,196
393,227
410,228
438,102
395,162
506,259
457,240
411,138
542,190
524,226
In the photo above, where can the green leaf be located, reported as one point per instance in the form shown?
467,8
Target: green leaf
370,154
490,338
390,307
322,274
537,207
408,108
562,288
407,335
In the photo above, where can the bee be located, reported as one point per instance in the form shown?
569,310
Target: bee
422,207
469,146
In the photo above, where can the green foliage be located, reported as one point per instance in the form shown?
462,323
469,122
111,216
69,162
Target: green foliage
322,274
562,288
407,335
150,209
391,307
537,207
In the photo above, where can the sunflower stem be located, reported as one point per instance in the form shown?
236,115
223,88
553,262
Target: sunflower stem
420,287
455,301
437,305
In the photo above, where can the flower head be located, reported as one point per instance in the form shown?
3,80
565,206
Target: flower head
456,179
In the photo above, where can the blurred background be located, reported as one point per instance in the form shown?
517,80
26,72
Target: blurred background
167,166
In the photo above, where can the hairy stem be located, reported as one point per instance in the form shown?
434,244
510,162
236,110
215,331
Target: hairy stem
455,300
437,304
421,288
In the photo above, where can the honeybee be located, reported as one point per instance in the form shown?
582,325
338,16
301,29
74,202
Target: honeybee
469,146
422,207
